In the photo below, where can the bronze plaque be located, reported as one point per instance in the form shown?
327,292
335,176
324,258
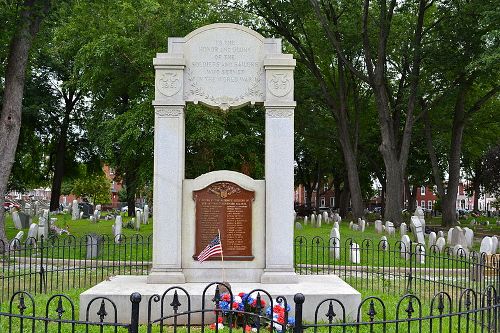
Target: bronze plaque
227,207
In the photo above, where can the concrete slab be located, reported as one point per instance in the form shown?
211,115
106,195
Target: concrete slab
315,288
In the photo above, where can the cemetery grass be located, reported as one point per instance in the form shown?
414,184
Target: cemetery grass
390,301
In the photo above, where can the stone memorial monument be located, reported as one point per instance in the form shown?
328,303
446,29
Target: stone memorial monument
224,66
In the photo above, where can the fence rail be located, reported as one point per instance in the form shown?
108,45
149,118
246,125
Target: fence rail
257,309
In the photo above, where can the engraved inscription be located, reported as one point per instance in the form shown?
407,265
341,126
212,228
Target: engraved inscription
227,207
224,69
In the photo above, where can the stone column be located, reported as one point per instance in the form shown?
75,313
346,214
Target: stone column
169,156
279,165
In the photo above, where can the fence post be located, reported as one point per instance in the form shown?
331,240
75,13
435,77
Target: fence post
299,301
135,298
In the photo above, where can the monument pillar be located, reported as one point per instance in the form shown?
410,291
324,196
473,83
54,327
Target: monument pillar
279,162
169,157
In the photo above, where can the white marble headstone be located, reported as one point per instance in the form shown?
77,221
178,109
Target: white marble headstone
335,243
75,211
354,254
494,244
469,237
405,247
432,238
403,229
146,214
440,244
378,226
486,245
362,225
17,220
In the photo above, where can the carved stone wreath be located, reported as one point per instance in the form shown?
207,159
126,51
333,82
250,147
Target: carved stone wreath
253,92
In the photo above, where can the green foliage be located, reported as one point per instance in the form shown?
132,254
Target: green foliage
91,185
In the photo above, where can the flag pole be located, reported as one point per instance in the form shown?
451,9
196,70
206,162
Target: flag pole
222,257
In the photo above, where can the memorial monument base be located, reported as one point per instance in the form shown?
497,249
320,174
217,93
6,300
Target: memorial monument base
315,289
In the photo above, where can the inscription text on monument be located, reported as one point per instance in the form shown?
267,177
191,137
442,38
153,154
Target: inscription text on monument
227,207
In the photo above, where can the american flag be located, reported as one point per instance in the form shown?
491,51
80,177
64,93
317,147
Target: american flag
215,247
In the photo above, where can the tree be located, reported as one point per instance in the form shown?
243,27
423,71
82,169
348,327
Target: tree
31,14
462,87
491,175
94,186
337,89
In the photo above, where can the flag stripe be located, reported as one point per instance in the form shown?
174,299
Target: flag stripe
213,248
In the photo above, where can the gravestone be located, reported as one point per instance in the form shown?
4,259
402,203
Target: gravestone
43,225
146,214
449,236
458,237
75,210
351,225
355,254
298,226
362,225
335,243
94,244
319,220
440,244
417,229
494,244
17,220
432,239
403,229
337,218
440,233
420,253
384,244
469,237
313,220
16,242
336,225
138,220
486,245
405,247
419,213
305,220
32,234
117,229
326,219
98,207
25,220
378,226
389,228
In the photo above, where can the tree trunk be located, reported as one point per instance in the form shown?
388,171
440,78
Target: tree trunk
344,200
449,202
15,73
394,191
59,165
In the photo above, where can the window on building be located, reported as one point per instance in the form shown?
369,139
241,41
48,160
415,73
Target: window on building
332,201
322,202
422,190
429,204
325,187
422,203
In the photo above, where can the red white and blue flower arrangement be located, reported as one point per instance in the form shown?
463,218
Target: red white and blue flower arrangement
242,303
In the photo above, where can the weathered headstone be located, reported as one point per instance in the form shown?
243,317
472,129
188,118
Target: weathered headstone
459,251
420,253
336,225
337,218
93,246
486,245
16,242
326,219
75,211
458,237
494,244
298,226
384,244
318,221
313,220
362,225
43,225
432,239
335,243
305,220
138,218
403,229
440,233
146,214
448,237
419,212
440,244
32,234
389,228
351,224
378,226
469,237
117,229
354,253
17,220
417,229
405,247
25,220
98,207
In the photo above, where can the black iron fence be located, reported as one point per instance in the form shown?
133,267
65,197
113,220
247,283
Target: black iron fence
398,268
62,263
257,310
